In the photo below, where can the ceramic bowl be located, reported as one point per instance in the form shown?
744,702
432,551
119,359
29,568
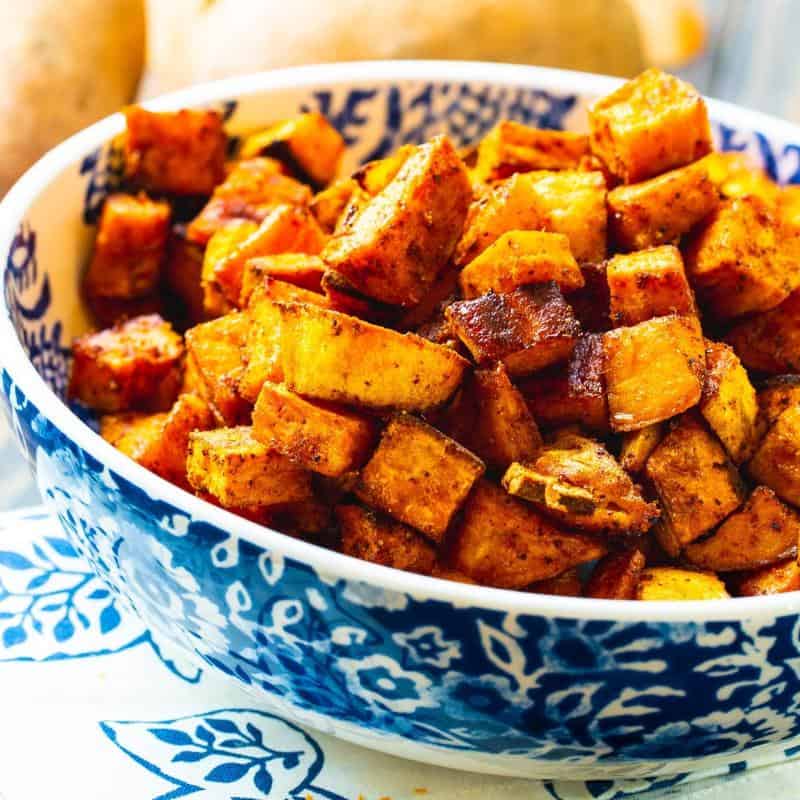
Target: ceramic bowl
462,676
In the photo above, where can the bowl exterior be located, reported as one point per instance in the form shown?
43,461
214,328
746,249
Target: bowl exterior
459,683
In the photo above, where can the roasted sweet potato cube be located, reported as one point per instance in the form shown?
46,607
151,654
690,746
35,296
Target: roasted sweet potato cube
301,269
616,576
328,205
375,176
177,152
135,365
419,476
762,532
240,472
735,260
735,175
500,541
526,329
572,394
374,537
287,229
216,350
770,342
129,249
396,246
774,579
220,245
577,481
249,192
307,144
729,402
672,583
159,442
183,273
649,283
567,584
660,210
637,446
331,356
520,258
649,125
308,519
696,482
317,436
343,296
776,463
776,395
654,370
592,302
513,147
571,202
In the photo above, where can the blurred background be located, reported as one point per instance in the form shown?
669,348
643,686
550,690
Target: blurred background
70,62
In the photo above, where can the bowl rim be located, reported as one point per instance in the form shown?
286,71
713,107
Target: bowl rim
326,562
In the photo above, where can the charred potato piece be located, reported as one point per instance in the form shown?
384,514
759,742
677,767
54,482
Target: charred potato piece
371,536
520,258
129,249
526,329
176,152
301,269
647,284
649,125
502,542
660,210
343,296
729,402
774,579
183,272
654,370
638,445
577,481
135,365
696,482
616,576
307,144
776,395
220,245
672,583
762,532
418,476
592,302
321,438
398,243
567,584
240,472
329,205
776,463
375,176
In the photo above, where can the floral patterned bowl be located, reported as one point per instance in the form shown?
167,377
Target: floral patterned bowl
462,676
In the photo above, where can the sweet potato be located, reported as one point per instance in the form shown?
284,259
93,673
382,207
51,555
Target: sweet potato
671,583
222,242
776,462
419,476
776,395
637,446
328,205
735,175
616,576
183,272
592,302
774,579
300,269
375,176
567,584
343,296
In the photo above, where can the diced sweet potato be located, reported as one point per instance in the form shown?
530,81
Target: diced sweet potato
159,442
696,482
569,202
129,249
776,395
660,210
735,175
526,329
307,144
329,204
567,584
671,583
373,537
177,152
762,532
520,258
215,348
343,296
616,576
651,124
107,312
419,476
503,542
396,246
249,192
240,472
223,242
135,365
307,519
649,283
331,356
654,370
572,394
319,437
449,574
775,579
729,402
577,481
301,269
770,342
734,260
592,302
183,272
375,176
776,463
638,445
513,147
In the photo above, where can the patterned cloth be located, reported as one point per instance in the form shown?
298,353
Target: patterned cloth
95,706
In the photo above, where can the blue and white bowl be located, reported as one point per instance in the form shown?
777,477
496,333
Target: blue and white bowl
461,676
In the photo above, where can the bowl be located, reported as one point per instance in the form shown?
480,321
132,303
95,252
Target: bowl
461,676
